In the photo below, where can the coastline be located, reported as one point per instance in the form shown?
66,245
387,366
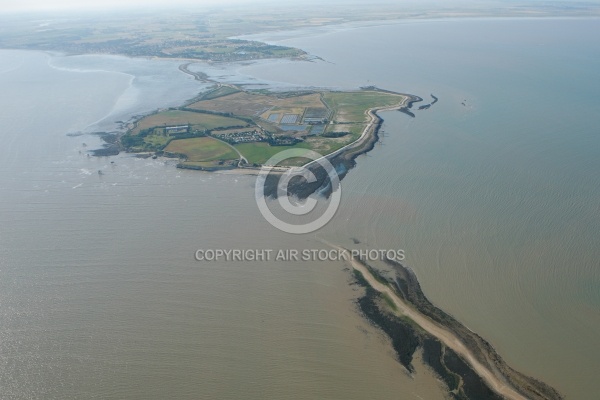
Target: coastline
371,130
342,160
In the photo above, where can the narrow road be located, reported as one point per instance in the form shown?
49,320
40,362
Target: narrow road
448,338
242,158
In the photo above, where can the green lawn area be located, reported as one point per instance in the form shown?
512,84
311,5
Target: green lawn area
351,106
202,149
178,117
260,152
156,140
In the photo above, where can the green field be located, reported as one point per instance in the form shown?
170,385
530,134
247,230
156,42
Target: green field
259,153
351,106
202,149
179,117
329,145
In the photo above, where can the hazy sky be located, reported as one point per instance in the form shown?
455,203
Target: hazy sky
45,5
61,5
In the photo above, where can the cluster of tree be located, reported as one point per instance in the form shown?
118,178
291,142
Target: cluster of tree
334,134
129,141
225,128
283,141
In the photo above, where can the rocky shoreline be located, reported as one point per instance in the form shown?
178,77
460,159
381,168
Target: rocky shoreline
428,106
407,108
111,146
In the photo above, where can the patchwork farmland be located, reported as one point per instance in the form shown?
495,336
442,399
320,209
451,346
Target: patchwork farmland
229,127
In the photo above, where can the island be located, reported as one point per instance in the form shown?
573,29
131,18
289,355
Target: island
228,127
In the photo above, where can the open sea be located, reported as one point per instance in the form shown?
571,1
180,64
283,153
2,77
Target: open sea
493,193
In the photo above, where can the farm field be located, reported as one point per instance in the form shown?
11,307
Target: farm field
202,149
259,153
253,104
179,117
352,106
